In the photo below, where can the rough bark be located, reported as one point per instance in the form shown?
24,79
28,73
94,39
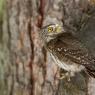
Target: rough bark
27,68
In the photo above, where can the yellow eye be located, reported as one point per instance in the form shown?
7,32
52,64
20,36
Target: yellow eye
58,29
50,29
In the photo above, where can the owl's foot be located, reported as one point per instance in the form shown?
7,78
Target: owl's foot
63,74
66,75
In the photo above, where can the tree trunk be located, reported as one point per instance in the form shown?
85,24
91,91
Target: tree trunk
27,68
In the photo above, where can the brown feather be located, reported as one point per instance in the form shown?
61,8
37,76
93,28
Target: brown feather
66,47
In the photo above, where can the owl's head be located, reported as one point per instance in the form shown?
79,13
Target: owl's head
50,32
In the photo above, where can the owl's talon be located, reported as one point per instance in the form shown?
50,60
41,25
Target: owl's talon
66,75
62,76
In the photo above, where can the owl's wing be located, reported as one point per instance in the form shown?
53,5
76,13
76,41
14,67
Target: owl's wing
66,46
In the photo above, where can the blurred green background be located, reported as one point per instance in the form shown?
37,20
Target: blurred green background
2,3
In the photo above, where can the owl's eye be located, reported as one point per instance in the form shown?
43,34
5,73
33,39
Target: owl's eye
50,29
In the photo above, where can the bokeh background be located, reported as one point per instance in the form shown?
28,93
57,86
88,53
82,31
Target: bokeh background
26,68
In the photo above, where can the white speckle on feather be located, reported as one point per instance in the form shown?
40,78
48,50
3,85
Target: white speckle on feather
65,50
59,49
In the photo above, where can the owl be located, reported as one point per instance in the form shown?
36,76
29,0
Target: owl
67,51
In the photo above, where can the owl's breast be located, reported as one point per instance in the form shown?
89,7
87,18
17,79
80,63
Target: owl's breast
66,54
67,65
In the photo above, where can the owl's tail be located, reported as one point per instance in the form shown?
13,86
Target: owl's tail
90,68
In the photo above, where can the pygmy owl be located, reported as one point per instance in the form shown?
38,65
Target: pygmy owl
67,51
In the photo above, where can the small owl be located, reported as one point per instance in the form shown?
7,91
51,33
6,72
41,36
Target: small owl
66,50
